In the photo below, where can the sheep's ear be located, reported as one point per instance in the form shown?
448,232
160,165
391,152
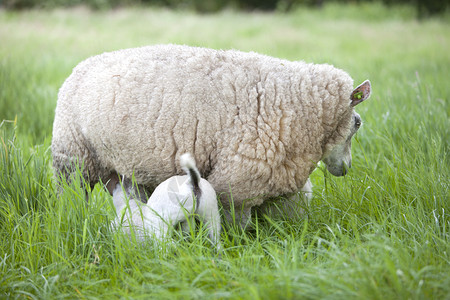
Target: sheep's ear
361,93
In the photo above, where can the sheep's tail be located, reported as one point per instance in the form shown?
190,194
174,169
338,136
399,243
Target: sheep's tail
187,162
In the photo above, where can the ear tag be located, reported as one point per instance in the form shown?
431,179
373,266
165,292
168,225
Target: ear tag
360,93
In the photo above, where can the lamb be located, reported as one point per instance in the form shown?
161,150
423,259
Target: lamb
172,202
256,125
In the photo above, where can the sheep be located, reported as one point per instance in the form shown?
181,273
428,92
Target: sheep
256,125
172,202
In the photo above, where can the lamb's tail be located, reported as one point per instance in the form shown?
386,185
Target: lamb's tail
187,162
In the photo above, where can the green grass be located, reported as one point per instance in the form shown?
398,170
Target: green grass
381,232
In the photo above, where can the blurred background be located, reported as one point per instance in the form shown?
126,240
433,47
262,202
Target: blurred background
424,8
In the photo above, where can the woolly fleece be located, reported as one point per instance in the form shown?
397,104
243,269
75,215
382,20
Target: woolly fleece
255,125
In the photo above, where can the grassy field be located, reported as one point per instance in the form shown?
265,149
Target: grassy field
381,232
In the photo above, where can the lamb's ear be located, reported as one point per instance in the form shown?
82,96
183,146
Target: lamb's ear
361,93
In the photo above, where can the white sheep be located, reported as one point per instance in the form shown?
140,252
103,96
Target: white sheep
173,202
256,125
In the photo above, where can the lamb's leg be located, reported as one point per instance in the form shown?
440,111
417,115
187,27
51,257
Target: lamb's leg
212,221
214,227
211,218
159,230
208,212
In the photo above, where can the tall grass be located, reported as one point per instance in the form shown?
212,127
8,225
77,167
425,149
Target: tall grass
382,231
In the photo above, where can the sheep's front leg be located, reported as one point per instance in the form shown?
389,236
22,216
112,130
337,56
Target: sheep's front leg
292,207
295,205
307,191
240,215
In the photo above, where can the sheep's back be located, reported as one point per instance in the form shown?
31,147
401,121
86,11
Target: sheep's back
141,108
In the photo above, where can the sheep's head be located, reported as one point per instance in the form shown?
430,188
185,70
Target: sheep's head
338,158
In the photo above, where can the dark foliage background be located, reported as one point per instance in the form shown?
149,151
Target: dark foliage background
424,8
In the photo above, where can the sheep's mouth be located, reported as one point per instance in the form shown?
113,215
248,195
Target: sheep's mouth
336,171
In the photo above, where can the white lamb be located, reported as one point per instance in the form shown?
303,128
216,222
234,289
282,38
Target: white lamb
256,125
173,202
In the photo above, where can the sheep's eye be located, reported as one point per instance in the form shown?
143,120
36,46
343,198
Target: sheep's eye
357,120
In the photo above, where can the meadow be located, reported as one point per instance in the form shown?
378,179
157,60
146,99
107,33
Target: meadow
380,232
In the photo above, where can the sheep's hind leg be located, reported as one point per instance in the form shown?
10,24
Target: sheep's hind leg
66,169
72,154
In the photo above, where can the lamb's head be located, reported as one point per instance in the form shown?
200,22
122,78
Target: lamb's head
337,155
